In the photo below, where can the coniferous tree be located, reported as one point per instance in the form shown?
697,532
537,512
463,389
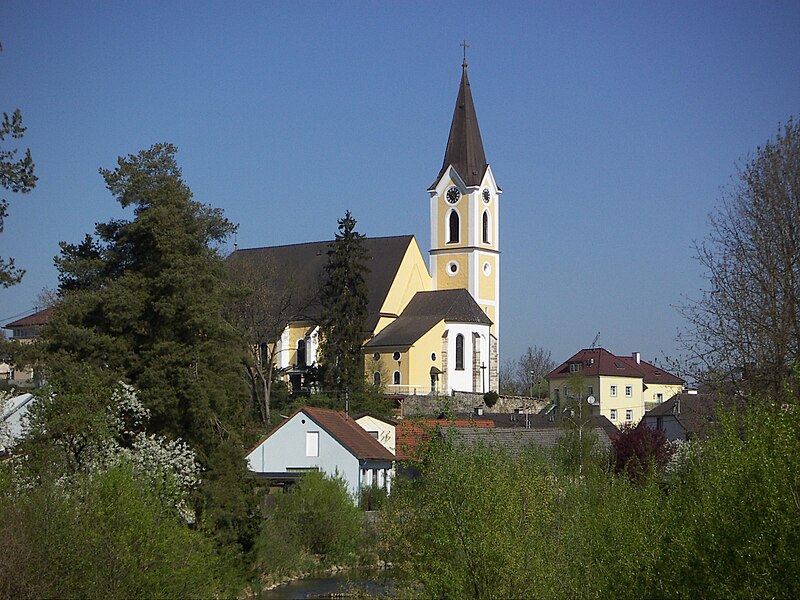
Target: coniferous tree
16,175
344,299
142,300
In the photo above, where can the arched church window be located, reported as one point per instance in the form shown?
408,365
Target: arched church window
396,378
485,225
459,352
453,228
376,378
301,353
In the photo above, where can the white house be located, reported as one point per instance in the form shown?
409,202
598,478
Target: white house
13,413
318,439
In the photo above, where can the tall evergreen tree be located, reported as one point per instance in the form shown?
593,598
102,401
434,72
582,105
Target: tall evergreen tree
16,175
142,300
144,297
344,299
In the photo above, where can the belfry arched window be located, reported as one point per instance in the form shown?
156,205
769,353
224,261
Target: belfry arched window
459,352
453,228
486,229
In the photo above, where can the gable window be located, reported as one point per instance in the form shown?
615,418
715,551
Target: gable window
312,443
453,228
459,352
301,353
659,398
629,415
613,414
485,227
396,378
629,390
613,390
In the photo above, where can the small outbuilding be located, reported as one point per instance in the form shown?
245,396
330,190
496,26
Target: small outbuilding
319,439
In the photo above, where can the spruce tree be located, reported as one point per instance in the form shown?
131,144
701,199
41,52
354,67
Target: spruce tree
344,300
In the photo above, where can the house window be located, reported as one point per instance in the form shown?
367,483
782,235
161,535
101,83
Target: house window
376,378
659,423
613,414
453,228
590,389
312,443
485,225
613,390
659,398
629,390
373,434
301,353
459,352
396,378
629,415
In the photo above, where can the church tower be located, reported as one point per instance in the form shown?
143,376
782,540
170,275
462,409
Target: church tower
464,209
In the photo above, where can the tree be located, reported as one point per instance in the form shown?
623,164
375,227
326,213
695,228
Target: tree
344,299
142,302
262,307
639,450
527,373
745,329
16,175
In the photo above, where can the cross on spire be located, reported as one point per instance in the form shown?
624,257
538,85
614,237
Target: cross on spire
464,45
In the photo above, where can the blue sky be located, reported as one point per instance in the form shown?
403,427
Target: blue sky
610,126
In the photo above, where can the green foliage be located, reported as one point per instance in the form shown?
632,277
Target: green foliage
141,302
107,536
344,299
16,175
490,398
482,524
372,497
316,522
470,526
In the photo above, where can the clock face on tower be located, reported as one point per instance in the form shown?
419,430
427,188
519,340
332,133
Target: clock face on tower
453,194
486,195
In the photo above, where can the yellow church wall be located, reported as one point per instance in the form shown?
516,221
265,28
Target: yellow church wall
412,277
414,363
297,332
487,284
448,281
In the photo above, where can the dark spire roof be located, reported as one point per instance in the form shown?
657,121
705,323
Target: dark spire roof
464,146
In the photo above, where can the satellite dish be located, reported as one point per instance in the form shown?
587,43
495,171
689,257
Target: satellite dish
590,400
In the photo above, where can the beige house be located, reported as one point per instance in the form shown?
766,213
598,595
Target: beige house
621,388
24,331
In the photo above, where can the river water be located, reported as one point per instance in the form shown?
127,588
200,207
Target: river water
376,582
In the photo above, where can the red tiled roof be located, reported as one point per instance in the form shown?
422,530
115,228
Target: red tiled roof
38,318
344,429
599,361
410,434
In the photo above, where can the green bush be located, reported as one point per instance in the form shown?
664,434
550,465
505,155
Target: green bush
315,521
110,536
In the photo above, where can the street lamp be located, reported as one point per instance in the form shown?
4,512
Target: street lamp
531,385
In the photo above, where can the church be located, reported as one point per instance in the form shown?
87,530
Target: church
429,330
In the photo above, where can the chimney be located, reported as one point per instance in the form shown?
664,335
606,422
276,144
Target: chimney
637,356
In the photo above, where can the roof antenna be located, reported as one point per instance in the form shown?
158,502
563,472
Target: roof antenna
594,343
235,240
464,45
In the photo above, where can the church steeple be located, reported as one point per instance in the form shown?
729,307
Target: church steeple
464,146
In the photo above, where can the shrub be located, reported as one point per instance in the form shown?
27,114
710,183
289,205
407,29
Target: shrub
490,398
639,450
315,519
109,536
